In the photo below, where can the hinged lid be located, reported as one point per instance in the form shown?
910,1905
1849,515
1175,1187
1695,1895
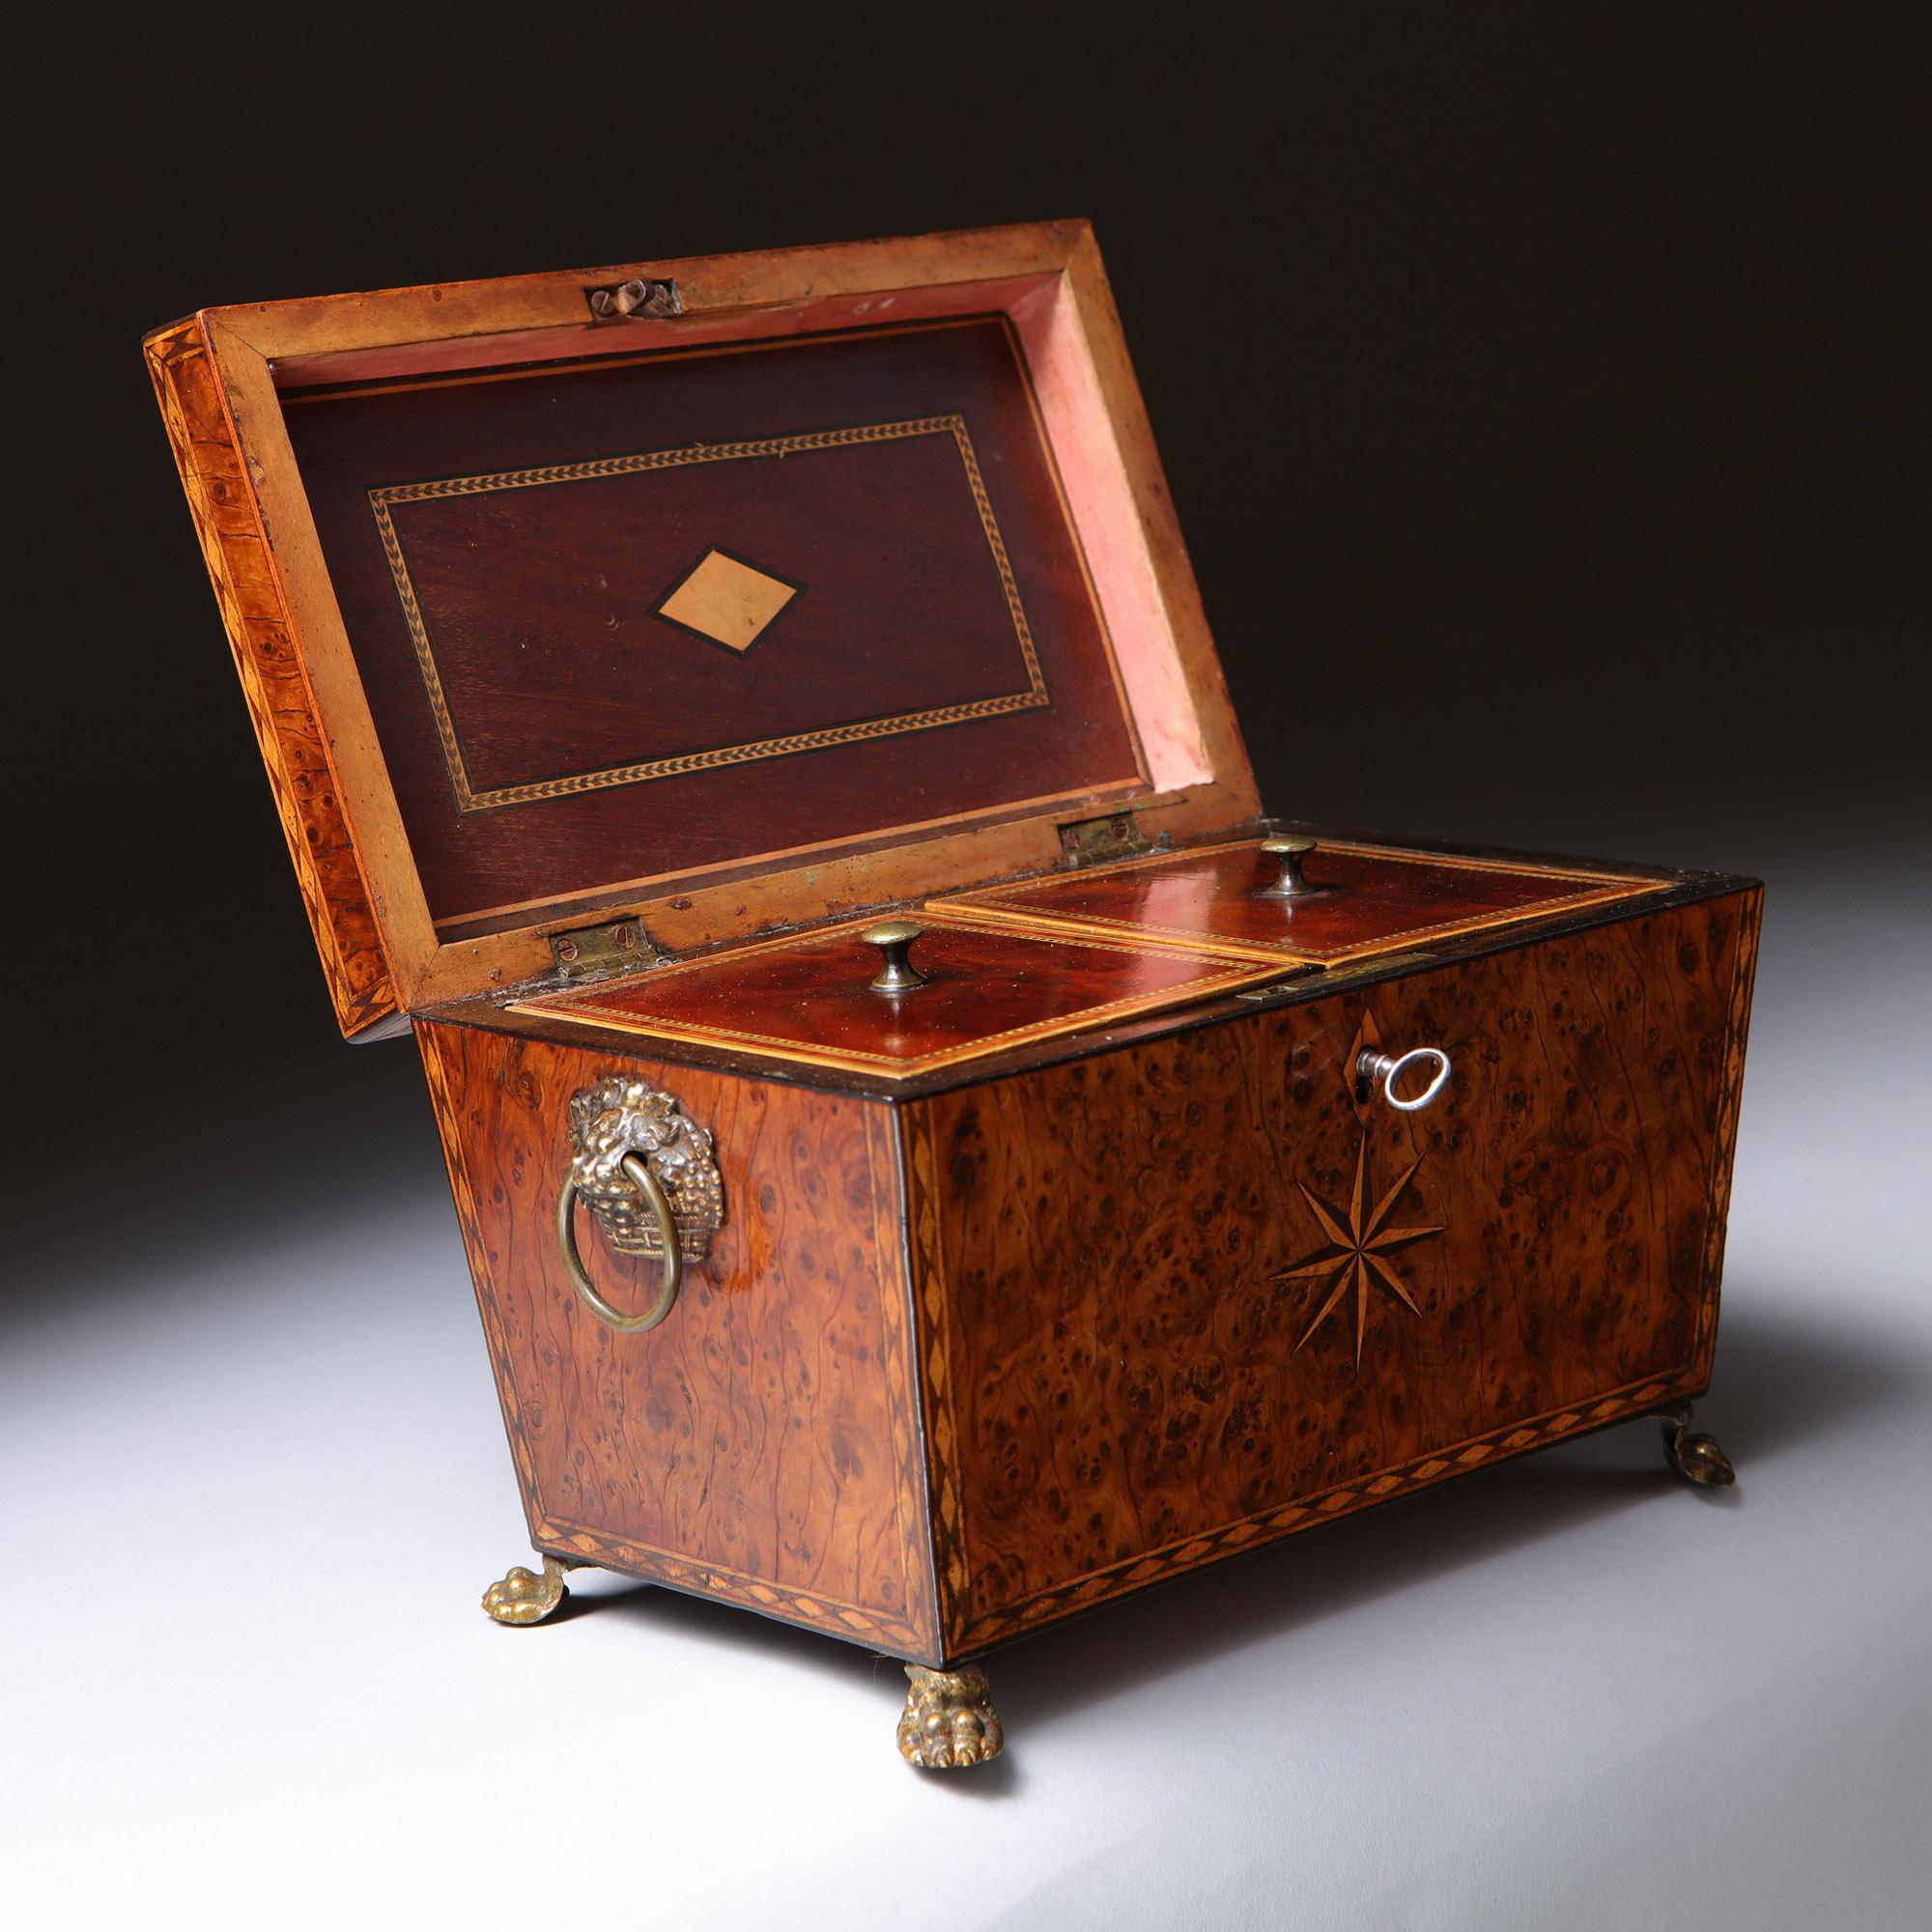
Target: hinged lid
711,595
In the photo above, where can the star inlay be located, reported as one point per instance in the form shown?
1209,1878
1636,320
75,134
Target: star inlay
1357,1243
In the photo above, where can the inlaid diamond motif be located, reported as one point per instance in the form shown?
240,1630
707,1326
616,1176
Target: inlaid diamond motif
727,600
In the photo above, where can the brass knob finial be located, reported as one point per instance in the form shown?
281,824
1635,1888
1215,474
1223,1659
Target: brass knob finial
893,937
1291,848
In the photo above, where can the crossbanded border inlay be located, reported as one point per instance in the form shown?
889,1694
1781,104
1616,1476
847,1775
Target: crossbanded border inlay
470,800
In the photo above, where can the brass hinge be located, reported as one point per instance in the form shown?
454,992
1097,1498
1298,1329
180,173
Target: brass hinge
1334,977
595,952
1088,841
1286,981
641,297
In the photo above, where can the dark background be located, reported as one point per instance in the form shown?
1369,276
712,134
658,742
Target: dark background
1538,408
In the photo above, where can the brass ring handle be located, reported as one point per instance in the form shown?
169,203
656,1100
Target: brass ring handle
638,1171
1371,1067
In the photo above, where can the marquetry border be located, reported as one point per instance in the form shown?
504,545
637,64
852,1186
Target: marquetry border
994,904
468,799
587,1007
952,1578
851,1621
280,704
1193,1552
899,1358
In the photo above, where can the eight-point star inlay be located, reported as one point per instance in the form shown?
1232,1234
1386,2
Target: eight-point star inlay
1358,1242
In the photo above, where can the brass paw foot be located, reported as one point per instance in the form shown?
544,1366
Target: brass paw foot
948,1719
524,1597
1697,1458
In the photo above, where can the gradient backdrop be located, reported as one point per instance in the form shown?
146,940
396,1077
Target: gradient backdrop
1540,412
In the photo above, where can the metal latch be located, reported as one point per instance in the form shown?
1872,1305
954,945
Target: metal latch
1088,841
594,952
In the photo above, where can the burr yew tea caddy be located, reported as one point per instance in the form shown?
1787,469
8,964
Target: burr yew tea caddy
931,1157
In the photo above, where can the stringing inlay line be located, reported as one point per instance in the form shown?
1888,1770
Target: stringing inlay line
468,799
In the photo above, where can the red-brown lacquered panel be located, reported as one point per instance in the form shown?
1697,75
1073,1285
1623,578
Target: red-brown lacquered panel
1366,899
646,616
987,988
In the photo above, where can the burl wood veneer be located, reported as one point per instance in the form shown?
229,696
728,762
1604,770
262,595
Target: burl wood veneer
227,521
762,1446
1180,1299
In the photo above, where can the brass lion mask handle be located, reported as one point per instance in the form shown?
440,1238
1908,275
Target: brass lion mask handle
649,1178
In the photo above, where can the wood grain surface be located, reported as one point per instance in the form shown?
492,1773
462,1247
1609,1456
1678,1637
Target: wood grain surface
810,1000
279,703
1124,1371
761,1445
1364,899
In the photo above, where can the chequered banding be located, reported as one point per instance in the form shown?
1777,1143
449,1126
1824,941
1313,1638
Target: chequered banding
469,799
947,1508
1118,1579
889,1632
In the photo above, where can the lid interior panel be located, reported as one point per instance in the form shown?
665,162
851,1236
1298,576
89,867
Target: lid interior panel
644,615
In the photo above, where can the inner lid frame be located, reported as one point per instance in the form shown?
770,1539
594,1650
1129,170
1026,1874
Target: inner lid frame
1046,279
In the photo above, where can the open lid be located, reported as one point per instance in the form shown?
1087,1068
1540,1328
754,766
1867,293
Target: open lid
723,594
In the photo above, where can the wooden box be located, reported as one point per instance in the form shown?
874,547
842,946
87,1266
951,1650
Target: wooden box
624,647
